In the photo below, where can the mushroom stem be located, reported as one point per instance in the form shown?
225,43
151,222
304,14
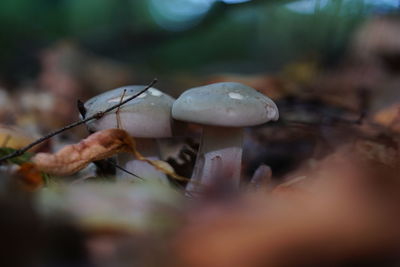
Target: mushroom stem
148,147
224,143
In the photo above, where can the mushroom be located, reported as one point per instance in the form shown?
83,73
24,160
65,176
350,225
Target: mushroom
223,109
145,118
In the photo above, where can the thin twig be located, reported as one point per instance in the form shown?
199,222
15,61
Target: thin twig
122,169
96,116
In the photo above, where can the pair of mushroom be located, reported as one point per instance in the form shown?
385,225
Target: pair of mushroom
223,109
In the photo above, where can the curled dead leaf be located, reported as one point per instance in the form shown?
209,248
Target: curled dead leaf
100,145
73,158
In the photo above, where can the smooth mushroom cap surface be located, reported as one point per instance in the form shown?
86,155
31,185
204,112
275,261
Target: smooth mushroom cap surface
146,116
227,104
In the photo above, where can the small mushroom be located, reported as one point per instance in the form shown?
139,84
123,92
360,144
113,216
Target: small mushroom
223,109
146,118
261,178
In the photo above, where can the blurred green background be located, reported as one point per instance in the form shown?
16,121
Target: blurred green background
199,36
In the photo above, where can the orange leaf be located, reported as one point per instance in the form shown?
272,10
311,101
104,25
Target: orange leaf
30,176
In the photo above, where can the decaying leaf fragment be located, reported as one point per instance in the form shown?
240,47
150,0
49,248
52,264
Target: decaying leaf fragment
100,145
29,176
73,158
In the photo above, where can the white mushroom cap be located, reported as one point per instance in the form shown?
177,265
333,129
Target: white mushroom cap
225,104
146,116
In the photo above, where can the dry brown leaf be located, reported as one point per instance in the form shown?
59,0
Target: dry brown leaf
100,145
73,158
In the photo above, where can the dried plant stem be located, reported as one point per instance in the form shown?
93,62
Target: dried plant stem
119,123
156,163
96,116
